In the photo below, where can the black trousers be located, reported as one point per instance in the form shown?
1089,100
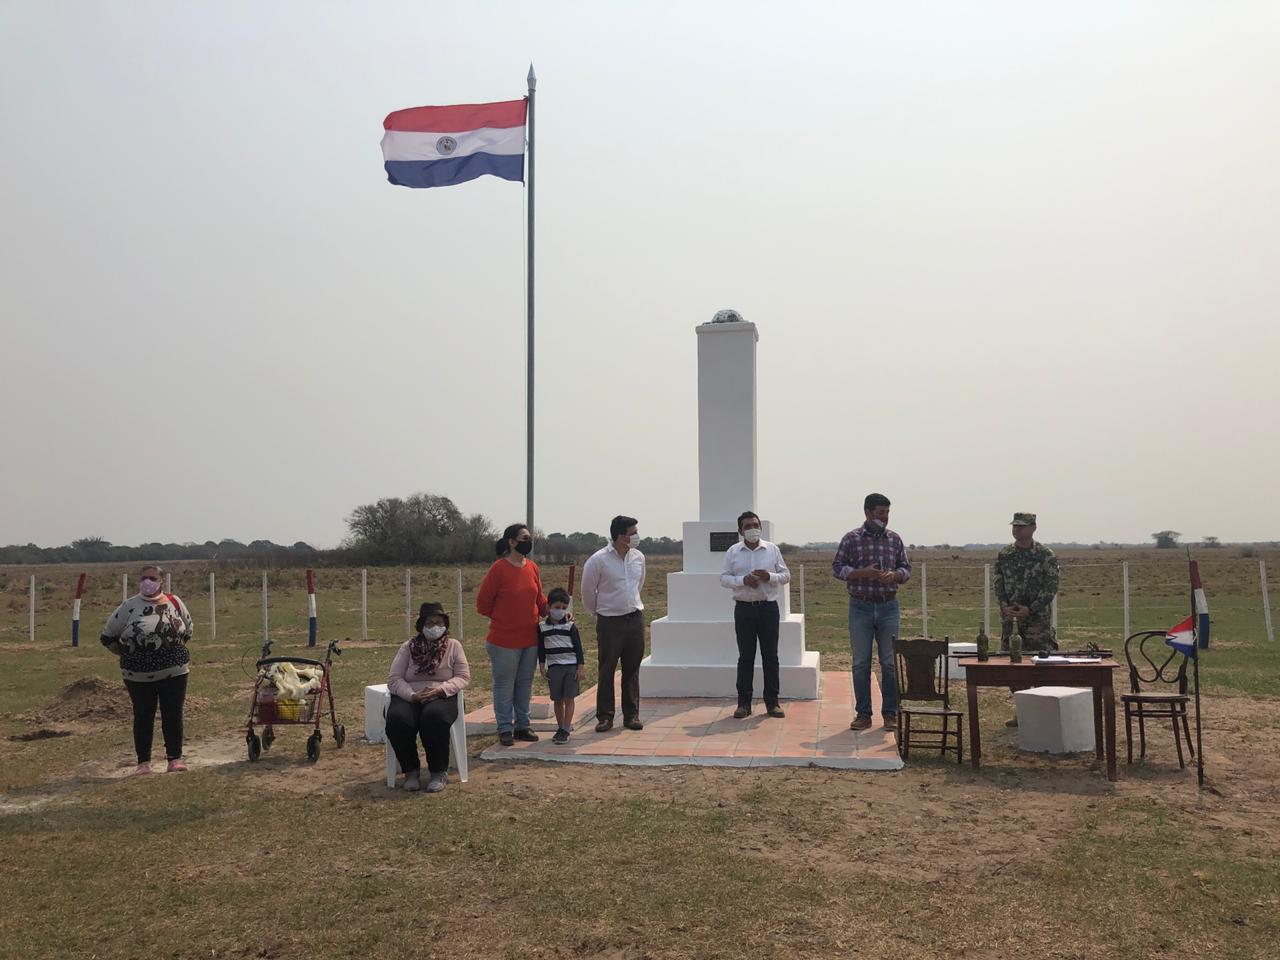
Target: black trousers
754,622
169,693
619,638
430,721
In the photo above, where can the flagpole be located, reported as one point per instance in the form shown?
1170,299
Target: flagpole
1195,669
528,517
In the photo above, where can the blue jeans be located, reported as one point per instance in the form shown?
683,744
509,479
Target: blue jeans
878,621
512,684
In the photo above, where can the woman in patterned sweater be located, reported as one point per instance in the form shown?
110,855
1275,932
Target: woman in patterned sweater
149,633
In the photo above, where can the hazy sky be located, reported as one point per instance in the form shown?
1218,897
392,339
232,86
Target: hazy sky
1002,256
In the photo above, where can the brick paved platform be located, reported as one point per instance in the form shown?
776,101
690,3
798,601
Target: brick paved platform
702,731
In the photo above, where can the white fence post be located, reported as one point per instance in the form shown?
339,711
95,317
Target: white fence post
924,598
31,612
986,599
265,637
124,587
1266,600
408,594
168,582
802,589
1124,579
1053,613
213,608
461,630
364,604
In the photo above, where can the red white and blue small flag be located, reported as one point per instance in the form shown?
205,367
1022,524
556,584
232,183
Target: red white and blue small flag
1183,637
442,146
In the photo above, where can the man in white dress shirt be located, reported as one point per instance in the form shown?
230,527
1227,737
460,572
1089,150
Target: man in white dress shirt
611,582
754,570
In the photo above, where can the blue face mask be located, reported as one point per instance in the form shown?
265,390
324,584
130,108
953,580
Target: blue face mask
557,613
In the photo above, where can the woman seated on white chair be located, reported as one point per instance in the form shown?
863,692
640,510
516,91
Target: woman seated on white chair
426,675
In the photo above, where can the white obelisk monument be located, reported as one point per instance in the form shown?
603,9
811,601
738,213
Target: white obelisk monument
694,652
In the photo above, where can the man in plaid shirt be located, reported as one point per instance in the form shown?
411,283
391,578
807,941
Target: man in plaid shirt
872,562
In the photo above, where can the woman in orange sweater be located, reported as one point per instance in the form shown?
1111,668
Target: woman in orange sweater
511,596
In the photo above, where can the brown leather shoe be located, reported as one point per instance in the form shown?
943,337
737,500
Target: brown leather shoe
633,724
604,726
860,723
891,721
777,712
742,713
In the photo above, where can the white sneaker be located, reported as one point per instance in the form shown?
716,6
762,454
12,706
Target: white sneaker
412,783
437,782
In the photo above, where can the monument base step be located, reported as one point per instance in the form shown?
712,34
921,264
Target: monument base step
721,680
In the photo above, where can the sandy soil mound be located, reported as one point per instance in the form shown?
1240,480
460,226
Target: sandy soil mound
89,698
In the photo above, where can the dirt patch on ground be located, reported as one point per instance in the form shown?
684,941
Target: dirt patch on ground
42,733
84,700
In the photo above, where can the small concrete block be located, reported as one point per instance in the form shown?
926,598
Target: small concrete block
1055,719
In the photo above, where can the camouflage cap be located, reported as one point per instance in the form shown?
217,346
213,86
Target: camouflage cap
1023,520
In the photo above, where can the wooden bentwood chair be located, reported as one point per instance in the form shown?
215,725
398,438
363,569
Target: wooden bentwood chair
924,675
1162,703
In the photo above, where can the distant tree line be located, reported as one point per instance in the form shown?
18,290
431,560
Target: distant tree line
424,528
98,550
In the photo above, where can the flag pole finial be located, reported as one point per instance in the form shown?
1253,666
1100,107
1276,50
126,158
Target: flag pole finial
532,78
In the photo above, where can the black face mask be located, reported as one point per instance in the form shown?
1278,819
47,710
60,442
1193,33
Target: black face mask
524,547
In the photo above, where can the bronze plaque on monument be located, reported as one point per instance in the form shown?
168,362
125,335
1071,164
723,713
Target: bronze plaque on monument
721,541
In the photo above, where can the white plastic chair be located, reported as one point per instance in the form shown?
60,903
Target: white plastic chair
457,743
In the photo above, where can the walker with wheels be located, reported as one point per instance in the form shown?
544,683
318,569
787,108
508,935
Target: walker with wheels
292,691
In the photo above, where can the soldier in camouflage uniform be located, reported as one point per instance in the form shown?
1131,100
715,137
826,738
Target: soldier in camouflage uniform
1026,583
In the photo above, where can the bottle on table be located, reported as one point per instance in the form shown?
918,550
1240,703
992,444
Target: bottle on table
1015,645
984,644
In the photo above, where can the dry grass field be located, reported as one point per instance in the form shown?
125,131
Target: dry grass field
1030,856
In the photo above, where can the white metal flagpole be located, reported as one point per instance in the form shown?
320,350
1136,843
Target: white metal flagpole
408,593
533,83
924,598
1266,601
461,629
1124,579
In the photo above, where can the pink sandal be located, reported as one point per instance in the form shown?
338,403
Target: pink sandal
176,766
143,769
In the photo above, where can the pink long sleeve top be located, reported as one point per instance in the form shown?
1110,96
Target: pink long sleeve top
451,674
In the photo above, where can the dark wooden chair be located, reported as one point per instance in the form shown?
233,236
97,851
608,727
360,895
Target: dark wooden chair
1154,663
924,676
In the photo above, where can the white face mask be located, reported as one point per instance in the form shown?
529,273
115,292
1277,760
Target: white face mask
557,613
634,541
751,534
433,633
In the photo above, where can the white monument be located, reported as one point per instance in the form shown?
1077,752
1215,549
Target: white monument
694,651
